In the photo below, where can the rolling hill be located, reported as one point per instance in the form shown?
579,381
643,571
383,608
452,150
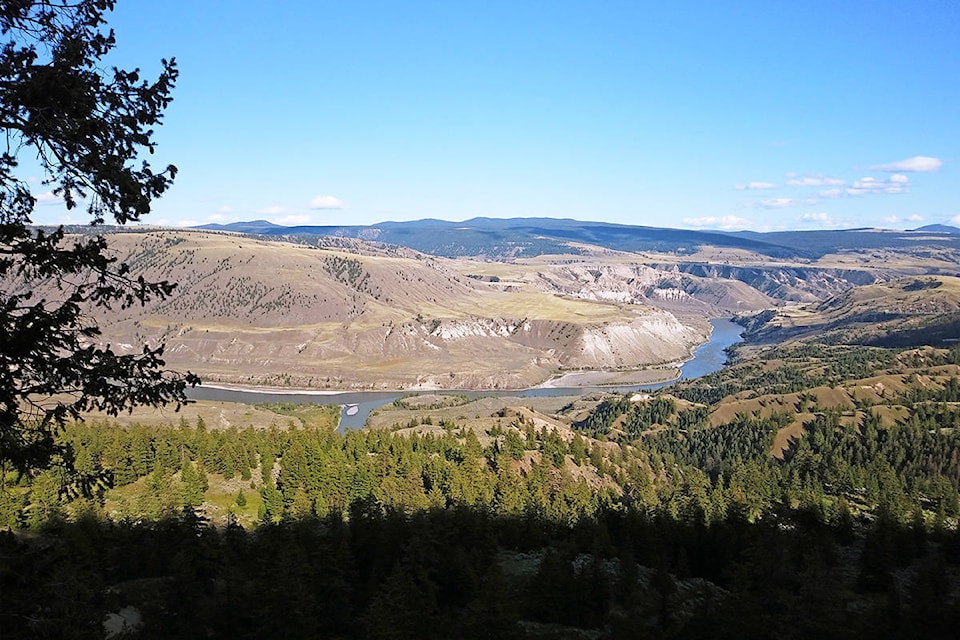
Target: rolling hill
923,310
790,266
504,303
356,315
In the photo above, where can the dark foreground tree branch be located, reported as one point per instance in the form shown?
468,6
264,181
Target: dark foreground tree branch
87,129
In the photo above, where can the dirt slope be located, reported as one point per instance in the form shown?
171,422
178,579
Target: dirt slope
905,312
249,310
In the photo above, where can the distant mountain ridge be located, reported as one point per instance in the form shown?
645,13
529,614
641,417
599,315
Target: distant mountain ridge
526,237
938,228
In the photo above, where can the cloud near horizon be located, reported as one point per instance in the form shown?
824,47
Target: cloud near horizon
295,220
326,202
897,183
836,192
821,219
778,203
897,219
718,222
755,186
922,164
815,181
48,198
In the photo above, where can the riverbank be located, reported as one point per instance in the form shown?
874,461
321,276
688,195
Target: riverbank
704,358
569,380
591,379
707,357
241,388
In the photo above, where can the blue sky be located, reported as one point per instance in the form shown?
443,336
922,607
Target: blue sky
761,115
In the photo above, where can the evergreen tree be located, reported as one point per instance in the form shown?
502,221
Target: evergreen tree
45,507
514,444
193,486
271,507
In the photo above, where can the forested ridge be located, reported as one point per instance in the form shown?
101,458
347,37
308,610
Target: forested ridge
645,518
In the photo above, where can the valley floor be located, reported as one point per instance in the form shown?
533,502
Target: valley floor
612,378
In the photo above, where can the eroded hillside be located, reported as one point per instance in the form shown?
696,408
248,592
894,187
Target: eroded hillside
340,313
905,312
254,311
624,278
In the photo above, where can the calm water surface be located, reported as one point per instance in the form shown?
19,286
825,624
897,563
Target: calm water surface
707,358
710,356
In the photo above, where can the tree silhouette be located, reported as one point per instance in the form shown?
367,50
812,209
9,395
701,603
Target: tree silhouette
87,128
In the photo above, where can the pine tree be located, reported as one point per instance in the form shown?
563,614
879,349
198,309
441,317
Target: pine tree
271,508
45,507
514,444
11,508
192,484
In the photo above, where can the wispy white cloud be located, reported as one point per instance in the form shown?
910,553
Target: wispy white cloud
814,181
924,164
823,220
755,186
222,215
718,222
326,202
897,183
48,198
820,219
898,220
836,192
778,203
295,219
955,219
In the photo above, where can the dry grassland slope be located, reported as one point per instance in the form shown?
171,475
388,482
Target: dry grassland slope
254,311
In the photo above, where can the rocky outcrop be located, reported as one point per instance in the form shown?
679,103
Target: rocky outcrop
663,287
903,313
786,283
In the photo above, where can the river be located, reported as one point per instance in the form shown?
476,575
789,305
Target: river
707,358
